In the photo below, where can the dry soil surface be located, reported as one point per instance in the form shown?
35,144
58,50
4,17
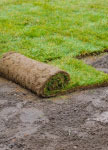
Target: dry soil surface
76,121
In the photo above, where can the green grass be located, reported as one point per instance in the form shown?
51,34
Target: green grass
56,32
56,84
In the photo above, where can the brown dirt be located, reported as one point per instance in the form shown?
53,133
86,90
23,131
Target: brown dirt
99,62
76,121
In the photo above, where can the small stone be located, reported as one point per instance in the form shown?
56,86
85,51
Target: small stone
75,147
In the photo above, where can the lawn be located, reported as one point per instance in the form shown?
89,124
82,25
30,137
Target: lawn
56,32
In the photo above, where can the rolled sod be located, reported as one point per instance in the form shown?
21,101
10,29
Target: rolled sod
43,79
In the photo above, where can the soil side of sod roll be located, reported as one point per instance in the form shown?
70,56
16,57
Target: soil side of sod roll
43,79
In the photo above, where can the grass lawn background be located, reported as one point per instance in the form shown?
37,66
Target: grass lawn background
55,32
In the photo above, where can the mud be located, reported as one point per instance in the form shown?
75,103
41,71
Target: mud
75,121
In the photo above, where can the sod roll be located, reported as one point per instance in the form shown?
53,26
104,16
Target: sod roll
43,79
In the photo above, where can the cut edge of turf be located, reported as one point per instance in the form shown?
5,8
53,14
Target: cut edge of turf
80,88
75,89
94,53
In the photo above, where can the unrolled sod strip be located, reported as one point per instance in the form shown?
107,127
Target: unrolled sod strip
41,78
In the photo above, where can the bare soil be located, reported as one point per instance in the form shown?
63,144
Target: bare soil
75,121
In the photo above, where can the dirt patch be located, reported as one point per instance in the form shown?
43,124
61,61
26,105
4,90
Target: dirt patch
101,62
76,121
